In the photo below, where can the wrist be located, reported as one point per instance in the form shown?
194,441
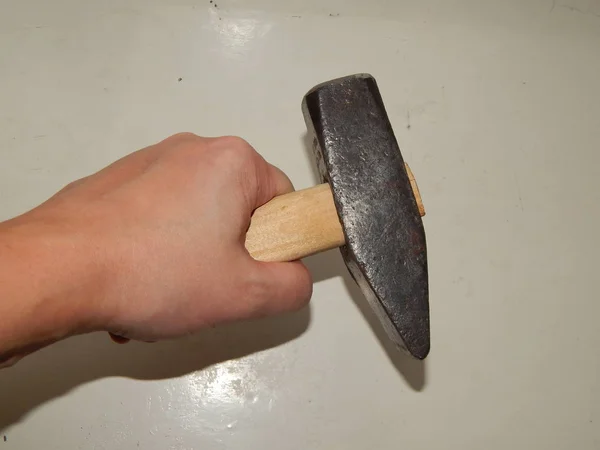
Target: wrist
51,283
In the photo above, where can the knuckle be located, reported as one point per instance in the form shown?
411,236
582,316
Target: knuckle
255,289
254,298
184,136
235,142
73,185
236,155
70,186
264,296
235,148
183,149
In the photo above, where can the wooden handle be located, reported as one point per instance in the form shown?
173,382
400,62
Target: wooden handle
300,224
295,225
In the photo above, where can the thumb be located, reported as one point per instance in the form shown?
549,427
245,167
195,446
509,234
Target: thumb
284,287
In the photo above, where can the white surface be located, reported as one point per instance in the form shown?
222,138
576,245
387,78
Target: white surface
503,102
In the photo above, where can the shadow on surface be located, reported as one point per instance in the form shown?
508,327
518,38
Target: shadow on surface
329,265
54,371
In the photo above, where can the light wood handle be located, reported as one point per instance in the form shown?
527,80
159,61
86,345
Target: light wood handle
299,224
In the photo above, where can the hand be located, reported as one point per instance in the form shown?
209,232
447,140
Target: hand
164,231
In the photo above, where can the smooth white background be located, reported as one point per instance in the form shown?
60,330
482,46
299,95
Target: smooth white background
503,103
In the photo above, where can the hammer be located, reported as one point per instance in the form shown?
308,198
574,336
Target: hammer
368,205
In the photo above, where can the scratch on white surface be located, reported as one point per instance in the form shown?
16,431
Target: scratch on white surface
517,184
587,10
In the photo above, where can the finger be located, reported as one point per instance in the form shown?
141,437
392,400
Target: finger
118,339
270,182
282,287
282,183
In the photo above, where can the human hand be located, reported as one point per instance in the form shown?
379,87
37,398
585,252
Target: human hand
165,229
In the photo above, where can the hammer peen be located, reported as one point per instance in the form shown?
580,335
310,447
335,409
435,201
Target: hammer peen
368,205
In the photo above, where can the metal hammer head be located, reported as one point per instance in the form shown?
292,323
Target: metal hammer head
385,250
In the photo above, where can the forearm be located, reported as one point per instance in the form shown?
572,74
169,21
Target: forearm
48,286
149,248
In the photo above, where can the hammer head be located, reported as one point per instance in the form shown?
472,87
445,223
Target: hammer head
385,251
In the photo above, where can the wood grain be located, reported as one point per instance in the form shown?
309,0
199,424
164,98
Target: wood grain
415,188
295,225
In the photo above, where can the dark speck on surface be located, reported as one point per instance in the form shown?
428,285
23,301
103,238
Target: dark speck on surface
179,79
334,15
4,438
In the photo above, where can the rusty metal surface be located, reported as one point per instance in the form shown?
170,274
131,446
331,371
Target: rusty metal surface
385,251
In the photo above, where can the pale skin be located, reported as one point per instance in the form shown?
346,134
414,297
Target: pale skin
149,248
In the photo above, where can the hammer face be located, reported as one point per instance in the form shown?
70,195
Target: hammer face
385,250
